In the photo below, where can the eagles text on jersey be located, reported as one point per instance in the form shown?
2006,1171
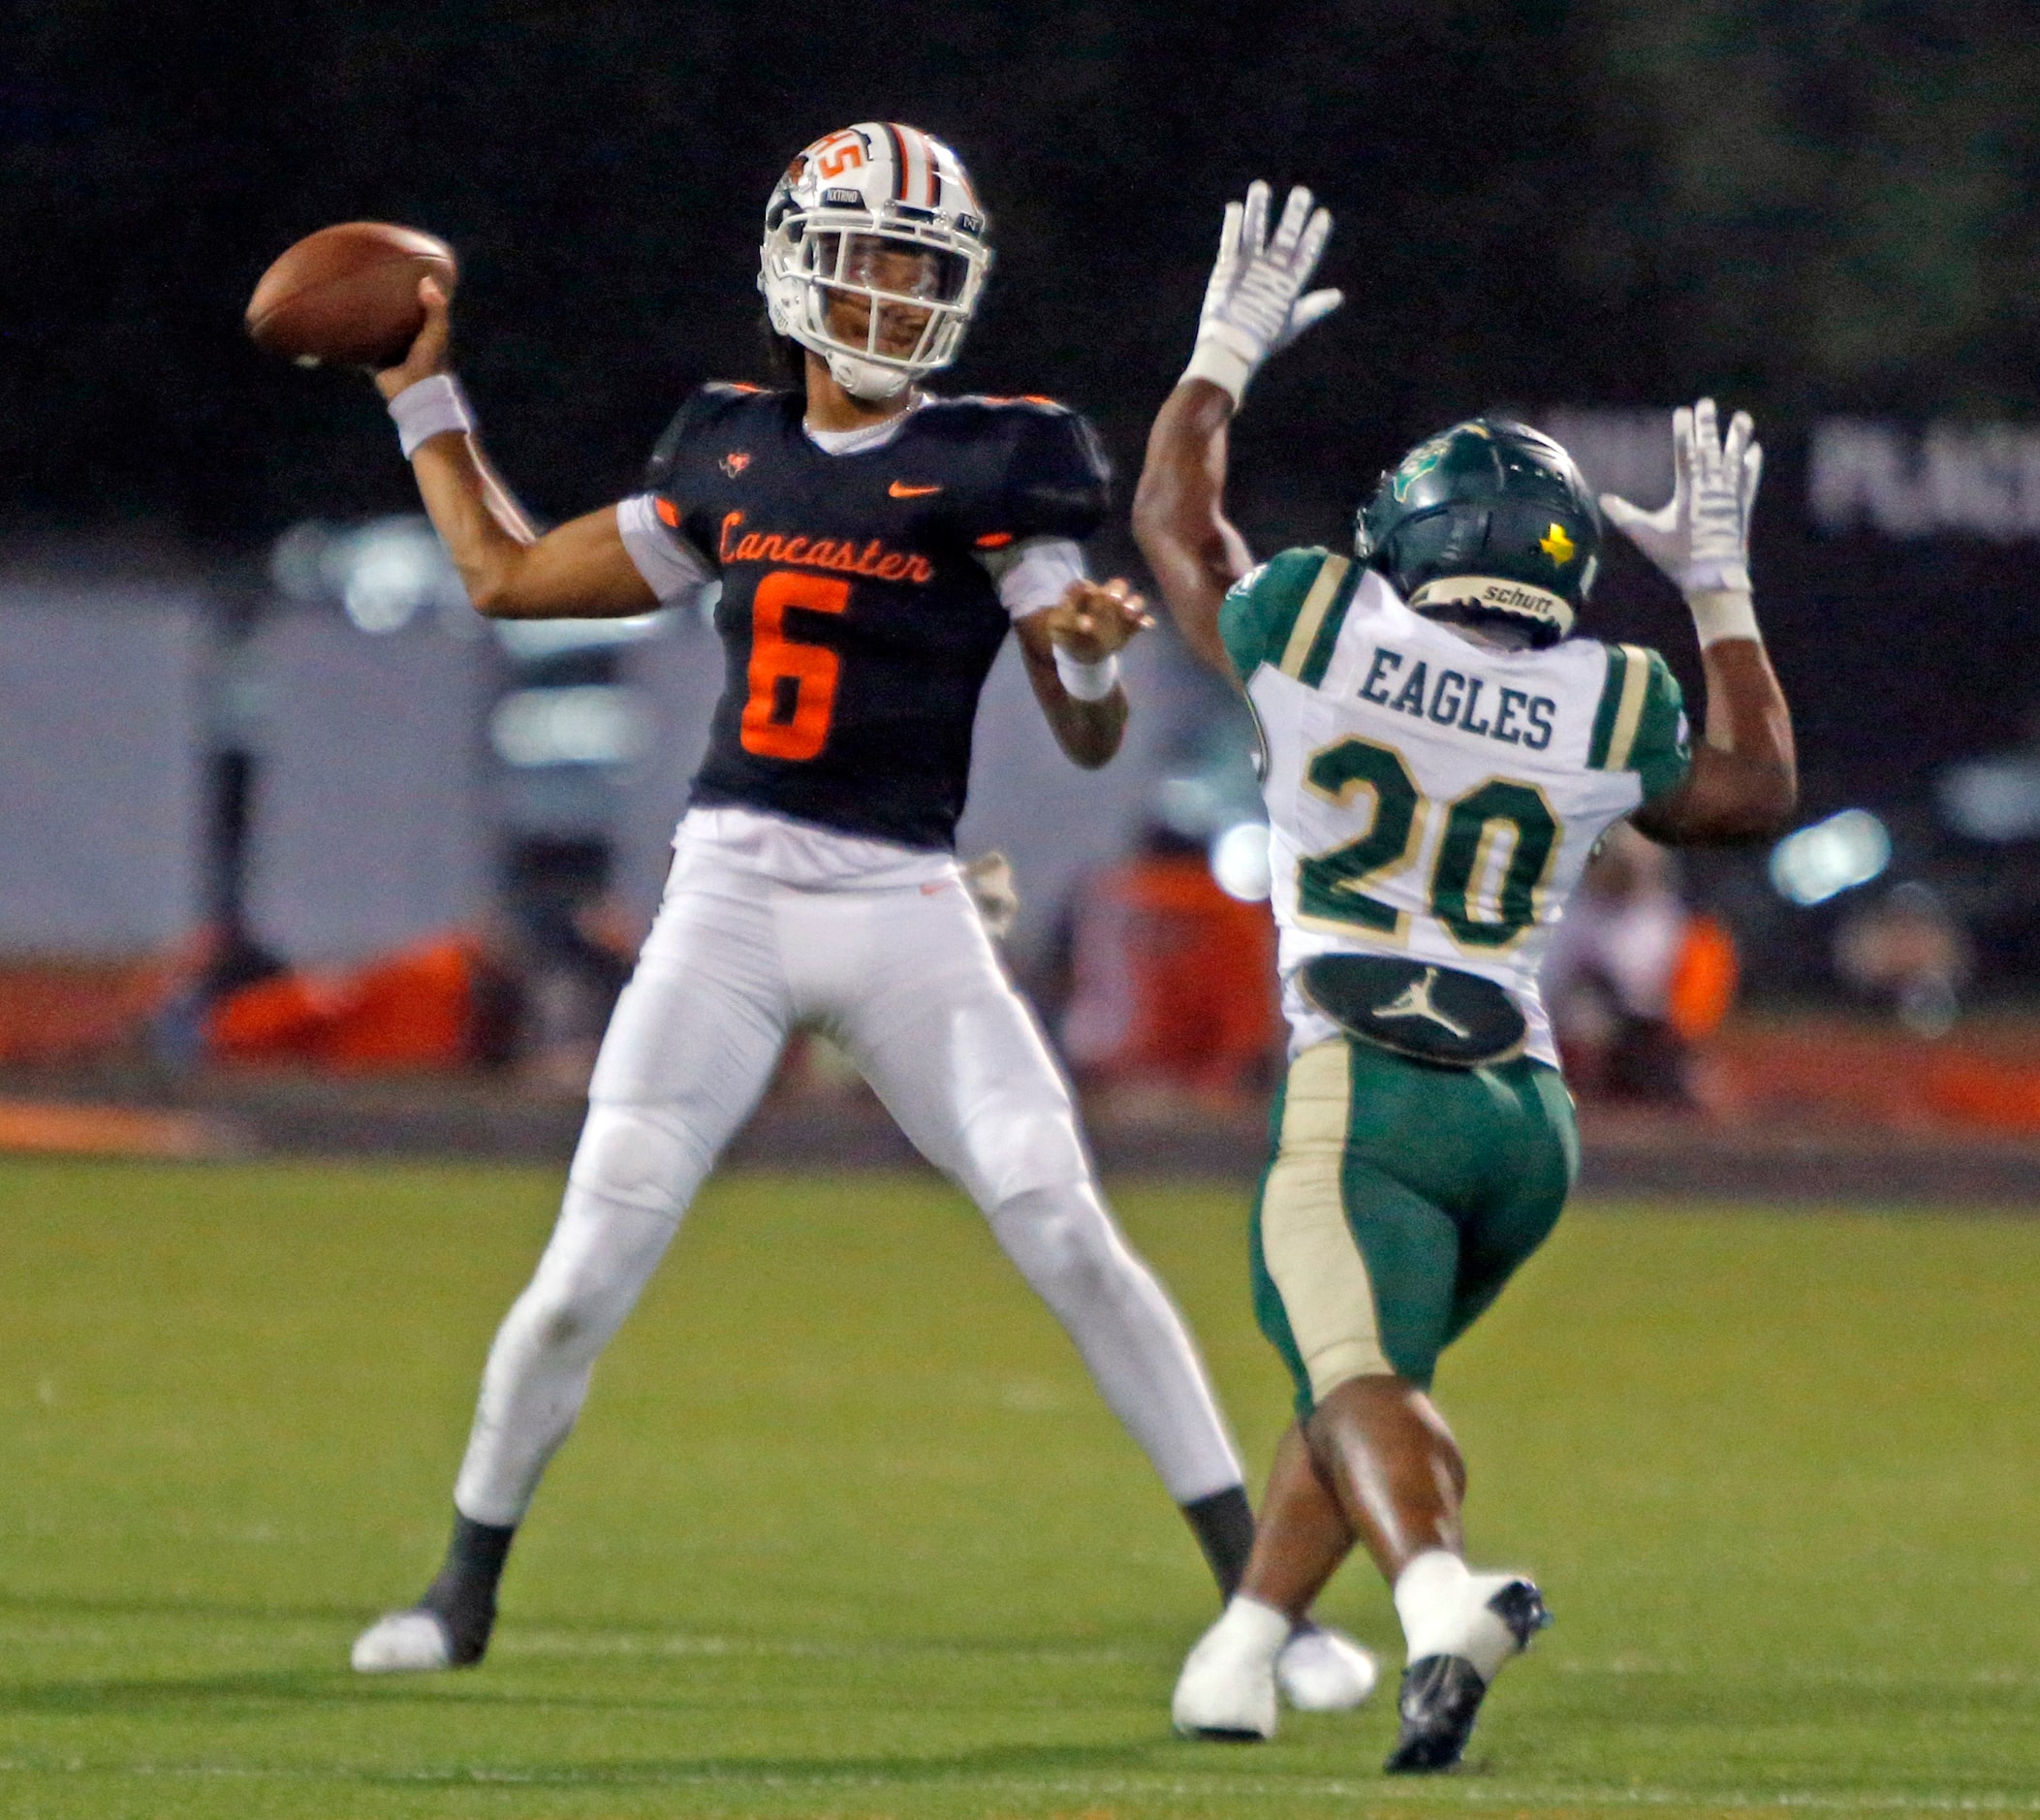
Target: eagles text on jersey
858,616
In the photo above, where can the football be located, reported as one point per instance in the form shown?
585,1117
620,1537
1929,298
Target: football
347,295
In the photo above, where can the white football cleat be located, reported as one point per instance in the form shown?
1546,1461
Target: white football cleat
1324,1671
1227,1689
403,1643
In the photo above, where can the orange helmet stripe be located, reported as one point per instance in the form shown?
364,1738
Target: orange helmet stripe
897,140
917,159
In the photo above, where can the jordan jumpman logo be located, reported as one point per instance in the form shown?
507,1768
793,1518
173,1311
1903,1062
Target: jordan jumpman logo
1415,1002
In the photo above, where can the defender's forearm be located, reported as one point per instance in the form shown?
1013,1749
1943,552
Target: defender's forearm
1745,707
1749,724
1179,513
1743,783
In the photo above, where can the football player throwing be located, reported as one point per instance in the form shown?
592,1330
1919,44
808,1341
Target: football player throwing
869,544
1441,754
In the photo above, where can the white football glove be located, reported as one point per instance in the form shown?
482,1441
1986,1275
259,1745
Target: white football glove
1255,303
1701,539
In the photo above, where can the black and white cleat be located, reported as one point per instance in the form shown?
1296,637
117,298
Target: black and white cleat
1441,1694
416,1642
449,1628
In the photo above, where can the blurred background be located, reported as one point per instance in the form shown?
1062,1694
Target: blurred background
298,850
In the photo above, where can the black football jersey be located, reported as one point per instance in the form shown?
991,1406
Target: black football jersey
857,617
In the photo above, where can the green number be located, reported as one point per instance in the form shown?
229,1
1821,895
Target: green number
1469,829
1329,883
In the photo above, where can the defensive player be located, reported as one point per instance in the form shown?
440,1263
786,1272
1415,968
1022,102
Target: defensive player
1440,758
872,543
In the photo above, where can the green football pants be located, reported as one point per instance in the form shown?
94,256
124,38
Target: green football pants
1398,1199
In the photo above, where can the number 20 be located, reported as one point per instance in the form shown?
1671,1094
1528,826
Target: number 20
1328,884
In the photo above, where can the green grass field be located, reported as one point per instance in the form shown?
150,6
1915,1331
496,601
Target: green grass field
844,1532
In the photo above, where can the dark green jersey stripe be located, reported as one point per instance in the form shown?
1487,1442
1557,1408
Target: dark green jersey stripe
1611,707
1319,656
1659,754
1258,619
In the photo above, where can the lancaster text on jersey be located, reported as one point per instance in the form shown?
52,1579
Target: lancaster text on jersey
839,554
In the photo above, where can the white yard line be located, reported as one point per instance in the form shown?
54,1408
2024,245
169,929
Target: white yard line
1275,1789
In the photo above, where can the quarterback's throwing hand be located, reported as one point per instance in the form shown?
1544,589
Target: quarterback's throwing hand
1094,620
1701,539
427,353
1255,303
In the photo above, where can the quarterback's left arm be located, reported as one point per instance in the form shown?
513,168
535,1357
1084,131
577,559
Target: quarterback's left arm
1254,305
1053,491
1073,652
1743,782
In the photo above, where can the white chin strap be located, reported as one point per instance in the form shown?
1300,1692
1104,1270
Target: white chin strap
867,380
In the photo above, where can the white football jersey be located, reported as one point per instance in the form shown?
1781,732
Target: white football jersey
1428,797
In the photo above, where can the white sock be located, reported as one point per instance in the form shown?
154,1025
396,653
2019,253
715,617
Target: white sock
1431,1599
1444,1612
1250,1633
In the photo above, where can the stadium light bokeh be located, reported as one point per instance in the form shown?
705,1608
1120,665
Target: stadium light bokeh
590,724
1831,857
1240,862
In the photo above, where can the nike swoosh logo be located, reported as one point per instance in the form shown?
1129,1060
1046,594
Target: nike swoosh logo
900,490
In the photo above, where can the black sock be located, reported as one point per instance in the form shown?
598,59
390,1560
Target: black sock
1224,1524
464,1596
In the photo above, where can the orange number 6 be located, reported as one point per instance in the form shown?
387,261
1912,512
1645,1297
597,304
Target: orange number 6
793,685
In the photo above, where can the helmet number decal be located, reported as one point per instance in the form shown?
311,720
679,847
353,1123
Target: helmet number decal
839,155
790,702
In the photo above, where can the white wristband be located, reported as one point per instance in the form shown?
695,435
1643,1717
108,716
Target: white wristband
1224,365
430,408
1723,613
1088,682
1715,578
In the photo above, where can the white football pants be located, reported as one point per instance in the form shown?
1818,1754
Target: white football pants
904,979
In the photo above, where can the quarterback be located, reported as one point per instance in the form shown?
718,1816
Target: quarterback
869,546
1440,755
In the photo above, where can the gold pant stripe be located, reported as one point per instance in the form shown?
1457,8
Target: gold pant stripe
1629,712
1308,1245
1311,616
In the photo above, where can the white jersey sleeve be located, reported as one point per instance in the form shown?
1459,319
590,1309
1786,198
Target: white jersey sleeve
674,571
1033,575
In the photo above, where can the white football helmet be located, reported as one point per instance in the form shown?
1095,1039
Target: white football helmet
879,218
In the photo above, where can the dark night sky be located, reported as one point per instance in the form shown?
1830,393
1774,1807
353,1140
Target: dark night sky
1804,205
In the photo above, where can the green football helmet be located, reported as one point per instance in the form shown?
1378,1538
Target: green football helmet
1489,520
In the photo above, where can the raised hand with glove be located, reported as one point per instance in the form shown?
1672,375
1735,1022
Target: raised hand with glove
1255,304
1744,778
1701,538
